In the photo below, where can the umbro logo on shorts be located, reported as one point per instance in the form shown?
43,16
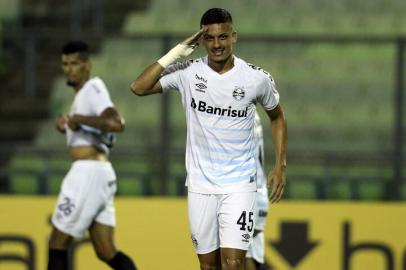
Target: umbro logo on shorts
246,237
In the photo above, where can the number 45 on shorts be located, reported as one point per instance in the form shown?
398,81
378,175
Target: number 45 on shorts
242,220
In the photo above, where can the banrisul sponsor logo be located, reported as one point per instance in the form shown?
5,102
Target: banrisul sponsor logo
202,106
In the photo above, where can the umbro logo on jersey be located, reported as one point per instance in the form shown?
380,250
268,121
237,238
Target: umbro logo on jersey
202,106
238,93
200,87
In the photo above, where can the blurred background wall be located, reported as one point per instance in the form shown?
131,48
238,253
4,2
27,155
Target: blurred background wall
339,67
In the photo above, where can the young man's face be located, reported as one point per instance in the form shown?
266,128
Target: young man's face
75,69
219,40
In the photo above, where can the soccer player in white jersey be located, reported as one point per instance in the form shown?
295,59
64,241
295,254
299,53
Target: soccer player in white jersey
219,93
85,200
255,256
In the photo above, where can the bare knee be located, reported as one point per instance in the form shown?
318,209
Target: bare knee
105,252
233,263
104,256
232,259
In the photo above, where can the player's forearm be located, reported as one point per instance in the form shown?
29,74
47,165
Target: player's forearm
279,138
105,124
146,81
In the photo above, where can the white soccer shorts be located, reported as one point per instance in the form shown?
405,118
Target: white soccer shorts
221,220
256,250
86,196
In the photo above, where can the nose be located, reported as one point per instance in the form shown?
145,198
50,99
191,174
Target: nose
216,43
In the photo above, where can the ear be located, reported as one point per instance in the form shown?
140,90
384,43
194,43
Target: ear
234,36
88,65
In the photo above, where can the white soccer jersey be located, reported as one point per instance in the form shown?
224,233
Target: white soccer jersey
91,100
220,111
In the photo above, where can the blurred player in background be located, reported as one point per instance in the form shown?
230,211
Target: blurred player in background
255,257
85,200
219,93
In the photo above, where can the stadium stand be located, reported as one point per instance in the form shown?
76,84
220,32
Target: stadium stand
38,29
336,159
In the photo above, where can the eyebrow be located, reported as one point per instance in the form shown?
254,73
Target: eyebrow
221,34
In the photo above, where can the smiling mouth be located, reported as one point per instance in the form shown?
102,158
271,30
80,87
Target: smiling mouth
218,52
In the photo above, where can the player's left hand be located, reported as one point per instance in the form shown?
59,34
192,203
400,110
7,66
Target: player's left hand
60,123
276,181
